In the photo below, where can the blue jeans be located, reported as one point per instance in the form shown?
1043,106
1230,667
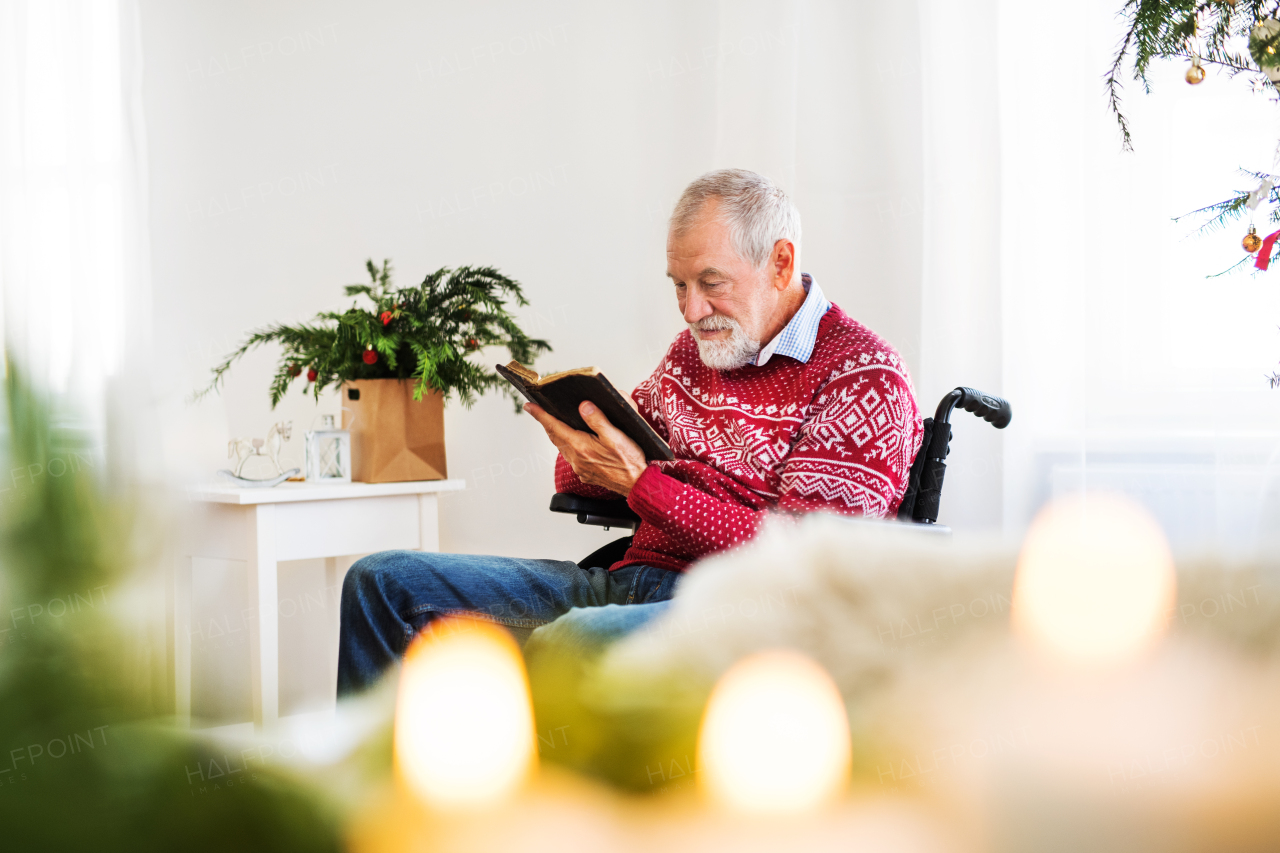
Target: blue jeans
388,598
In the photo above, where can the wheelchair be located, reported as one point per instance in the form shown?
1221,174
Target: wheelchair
920,502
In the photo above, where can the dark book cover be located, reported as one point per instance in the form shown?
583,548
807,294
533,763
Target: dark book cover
561,393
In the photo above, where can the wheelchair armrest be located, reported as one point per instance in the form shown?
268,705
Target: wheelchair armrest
603,513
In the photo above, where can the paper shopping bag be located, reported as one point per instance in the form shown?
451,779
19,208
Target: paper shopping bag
393,437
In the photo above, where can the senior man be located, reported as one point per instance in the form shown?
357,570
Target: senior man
773,400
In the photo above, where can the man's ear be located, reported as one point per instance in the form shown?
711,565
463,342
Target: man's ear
783,264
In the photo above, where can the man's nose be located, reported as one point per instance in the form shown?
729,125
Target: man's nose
695,307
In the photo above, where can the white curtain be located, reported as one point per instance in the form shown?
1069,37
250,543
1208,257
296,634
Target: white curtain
961,315
73,246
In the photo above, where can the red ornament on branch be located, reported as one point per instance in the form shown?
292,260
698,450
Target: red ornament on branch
369,356
295,369
386,317
311,374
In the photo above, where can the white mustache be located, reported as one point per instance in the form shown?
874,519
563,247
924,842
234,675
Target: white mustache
714,323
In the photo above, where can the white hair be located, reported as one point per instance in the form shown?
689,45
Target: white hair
757,211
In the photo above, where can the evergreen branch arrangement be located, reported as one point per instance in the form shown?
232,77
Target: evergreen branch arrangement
423,333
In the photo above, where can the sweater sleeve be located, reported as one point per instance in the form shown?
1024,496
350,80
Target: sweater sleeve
699,521
852,456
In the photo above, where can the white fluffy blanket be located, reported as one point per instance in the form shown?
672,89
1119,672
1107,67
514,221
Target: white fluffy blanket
855,596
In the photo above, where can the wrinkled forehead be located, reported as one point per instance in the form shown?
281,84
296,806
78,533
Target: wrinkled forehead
707,238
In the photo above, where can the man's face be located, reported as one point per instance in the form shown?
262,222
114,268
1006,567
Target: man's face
724,299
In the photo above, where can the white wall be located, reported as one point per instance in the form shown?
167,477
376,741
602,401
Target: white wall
289,141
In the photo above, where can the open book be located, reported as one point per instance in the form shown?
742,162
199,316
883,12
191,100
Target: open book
561,393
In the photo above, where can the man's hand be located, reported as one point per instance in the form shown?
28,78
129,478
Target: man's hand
607,459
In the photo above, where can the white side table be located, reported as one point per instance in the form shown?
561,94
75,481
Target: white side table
293,521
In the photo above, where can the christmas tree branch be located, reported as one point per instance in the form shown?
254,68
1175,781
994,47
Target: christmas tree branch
1223,212
1234,208
1246,259
1113,91
1165,29
1203,33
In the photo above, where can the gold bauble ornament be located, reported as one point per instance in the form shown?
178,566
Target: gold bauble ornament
1195,74
1252,242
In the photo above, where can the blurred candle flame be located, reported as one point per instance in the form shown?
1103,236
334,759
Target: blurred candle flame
774,737
1095,580
464,734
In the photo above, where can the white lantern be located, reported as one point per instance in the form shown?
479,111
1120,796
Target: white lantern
328,453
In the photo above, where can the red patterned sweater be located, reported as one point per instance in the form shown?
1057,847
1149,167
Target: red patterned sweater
837,433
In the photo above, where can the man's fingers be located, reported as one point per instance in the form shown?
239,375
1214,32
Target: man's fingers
542,416
594,417
557,430
618,461
574,443
539,414
600,424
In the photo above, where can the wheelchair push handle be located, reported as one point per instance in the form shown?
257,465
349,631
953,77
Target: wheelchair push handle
992,409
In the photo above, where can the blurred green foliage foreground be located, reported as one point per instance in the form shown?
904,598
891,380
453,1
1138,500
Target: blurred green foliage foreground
87,759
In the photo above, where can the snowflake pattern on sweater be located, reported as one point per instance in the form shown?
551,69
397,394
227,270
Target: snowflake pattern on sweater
835,434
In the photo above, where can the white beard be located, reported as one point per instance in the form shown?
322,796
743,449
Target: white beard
737,351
